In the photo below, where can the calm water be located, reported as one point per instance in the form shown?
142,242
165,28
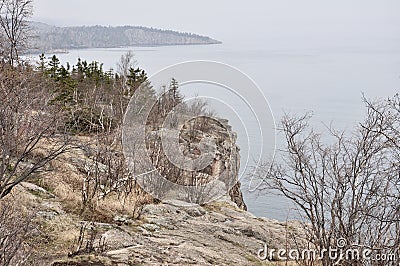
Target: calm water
327,79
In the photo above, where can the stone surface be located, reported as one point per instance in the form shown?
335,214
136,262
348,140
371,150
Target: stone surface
216,234
170,233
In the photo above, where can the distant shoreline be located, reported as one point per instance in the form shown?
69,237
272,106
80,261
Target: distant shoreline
62,39
67,51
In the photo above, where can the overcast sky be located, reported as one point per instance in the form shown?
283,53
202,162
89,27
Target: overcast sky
231,20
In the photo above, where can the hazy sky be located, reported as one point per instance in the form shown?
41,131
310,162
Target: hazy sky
230,20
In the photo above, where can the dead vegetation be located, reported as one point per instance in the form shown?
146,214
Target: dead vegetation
347,189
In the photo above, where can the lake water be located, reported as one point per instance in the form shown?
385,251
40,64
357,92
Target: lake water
328,80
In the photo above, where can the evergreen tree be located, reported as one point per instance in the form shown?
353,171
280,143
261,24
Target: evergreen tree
136,77
173,91
53,65
42,63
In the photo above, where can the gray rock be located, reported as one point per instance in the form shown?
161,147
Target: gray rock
32,188
122,220
151,227
116,239
195,211
216,234
49,215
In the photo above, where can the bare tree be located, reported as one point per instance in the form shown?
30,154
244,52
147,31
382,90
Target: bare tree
388,114
31,131
126,62
15,226
346,187
14,15
89,241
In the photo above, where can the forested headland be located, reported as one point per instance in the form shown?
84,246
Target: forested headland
47,38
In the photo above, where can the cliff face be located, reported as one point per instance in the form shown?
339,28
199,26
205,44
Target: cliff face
236,196
227,159
217,172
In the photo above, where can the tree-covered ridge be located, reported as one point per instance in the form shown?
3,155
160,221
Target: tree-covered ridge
49,38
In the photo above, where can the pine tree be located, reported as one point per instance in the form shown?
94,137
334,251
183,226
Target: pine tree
42,63
173,90
136,77
53,67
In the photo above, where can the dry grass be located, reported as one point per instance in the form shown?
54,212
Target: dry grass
65,181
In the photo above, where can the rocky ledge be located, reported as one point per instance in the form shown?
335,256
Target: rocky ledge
169,233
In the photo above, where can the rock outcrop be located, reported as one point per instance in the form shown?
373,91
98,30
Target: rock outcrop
207,146
226,162
218,233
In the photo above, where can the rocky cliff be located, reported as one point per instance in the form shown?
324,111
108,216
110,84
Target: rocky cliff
225,164
56,227
78,213
206,158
